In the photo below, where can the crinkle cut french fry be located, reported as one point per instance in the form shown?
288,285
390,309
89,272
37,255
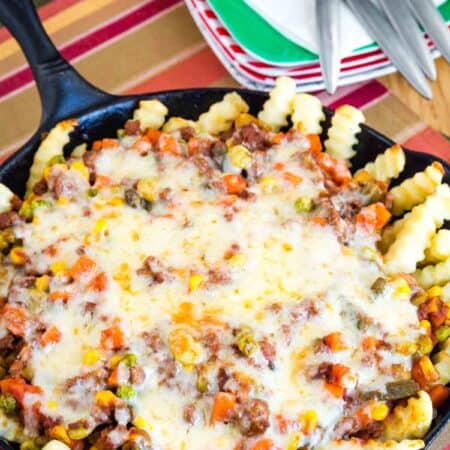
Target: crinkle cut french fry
6,197
308,113
387,165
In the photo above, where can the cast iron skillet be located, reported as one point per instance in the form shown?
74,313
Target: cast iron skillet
65,94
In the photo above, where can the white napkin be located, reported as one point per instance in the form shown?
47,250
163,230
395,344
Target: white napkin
296,20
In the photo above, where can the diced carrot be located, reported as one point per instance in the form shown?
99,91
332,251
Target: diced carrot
282,424
315,145
224,404
51,336
334,342
99,283
109,143
336,169
97,145
424,372
62,296
337,373
292,178
373,217
278,138
15,318
114,378
168,144
18,388
369,344
319,220
335,389
142,145
82,266
227,200
439,394
102,181
279,166
112,338
263,444
153,135
234,183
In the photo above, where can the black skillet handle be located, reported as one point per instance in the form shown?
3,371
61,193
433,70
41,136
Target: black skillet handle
63,91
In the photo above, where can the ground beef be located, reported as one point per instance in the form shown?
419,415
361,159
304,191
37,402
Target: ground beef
253,417
40,187
137,375
153,340
212,342
252,137
7,219
216,276
256,169
189,413
269,351
132,127
89,159
156,270
186,133
111,438
204,165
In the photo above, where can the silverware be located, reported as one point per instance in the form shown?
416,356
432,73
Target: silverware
404,22
380,29
327,13
434,25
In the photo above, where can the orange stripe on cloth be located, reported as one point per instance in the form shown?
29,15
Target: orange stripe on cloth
430,141
185,73
50,9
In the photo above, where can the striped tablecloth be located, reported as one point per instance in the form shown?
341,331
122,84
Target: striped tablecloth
134,46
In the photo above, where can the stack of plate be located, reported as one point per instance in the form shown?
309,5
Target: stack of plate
255,51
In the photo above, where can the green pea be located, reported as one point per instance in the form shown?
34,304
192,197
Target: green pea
202,384
125,392
26,211
442,333
29,444
130,360
91,192
57,159
246,341
8,403
39,204
303,204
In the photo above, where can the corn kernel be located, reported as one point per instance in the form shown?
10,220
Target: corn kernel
62,201
185,348
91,357
435,291
195,281
406,348
116,201
51,404
81,168
146,189
42,283
379,411
47,172
60,433
115,359
18,256
425,325
402,289
294,441
142,424
239,156
419,299
424,344
100,225
362,176
269,184
58,268
35,220
309,421
79,433
238,260
105,398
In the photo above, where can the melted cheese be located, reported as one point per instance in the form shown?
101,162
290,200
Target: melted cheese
285,259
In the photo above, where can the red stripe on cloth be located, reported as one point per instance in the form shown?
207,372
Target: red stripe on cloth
185,74
92,40
430,141
362,96
46,11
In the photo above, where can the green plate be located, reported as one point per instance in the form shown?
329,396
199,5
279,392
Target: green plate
265,42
